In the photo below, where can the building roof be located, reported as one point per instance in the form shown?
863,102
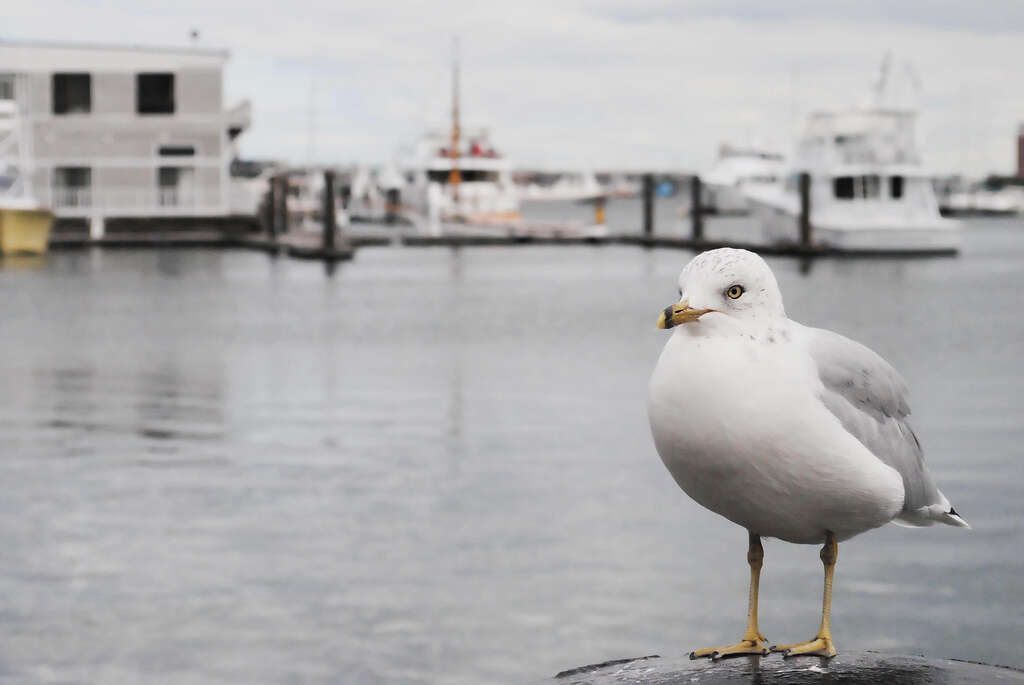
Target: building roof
47,56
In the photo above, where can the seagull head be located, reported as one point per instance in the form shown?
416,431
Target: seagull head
727,281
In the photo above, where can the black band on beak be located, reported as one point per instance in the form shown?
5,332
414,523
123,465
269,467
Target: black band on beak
668,314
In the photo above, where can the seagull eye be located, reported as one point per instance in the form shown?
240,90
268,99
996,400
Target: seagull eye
735,291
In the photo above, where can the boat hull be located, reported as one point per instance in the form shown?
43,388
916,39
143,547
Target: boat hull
723,199
781,225
24,231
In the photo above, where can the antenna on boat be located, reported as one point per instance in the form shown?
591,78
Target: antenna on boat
454,177
883,79
310,125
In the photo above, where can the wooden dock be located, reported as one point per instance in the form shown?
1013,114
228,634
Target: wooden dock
271,233
301,245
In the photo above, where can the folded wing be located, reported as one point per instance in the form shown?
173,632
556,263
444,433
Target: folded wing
869,397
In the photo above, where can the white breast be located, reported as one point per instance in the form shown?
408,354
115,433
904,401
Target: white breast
739,426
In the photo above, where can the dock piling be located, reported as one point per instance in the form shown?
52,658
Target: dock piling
393,204
805,209
328,211
648,206
266,210
281,206
696,208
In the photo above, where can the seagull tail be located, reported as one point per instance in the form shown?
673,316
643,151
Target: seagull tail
930,515
951,518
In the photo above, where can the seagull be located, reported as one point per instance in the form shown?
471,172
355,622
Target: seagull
792,432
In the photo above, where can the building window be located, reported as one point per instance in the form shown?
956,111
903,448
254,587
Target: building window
176,186
72,186
896,187
154,93
72,93
177,151
843,187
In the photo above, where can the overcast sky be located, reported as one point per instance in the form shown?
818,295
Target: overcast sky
581,83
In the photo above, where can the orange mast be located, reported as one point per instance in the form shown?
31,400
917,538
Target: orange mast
454,177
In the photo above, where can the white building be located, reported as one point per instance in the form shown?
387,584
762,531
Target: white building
123,132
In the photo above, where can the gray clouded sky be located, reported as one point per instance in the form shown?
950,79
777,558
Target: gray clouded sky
588,83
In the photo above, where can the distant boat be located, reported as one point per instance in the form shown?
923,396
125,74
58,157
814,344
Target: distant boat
737,171
24,229
24,223
572,187
470,184
869,189
985,198
459,183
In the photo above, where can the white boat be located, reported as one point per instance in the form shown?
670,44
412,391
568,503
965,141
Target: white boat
980,199
869,189
738,171
471,185
459,183
568,187
24,222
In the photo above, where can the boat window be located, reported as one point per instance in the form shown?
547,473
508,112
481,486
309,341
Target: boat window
6,86
72,93
843,187
479,175
872,186
465,175
896,187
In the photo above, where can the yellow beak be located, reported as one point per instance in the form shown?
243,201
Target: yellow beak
680,313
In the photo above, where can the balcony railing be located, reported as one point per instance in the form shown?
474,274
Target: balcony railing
72,197
136,201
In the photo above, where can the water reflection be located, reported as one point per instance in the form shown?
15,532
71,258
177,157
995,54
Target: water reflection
427,493
23,262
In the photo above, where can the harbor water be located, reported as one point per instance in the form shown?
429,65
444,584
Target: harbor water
434,466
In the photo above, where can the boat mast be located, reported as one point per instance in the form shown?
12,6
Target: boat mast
454,177
882,85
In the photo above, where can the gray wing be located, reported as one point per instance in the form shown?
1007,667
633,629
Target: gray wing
869,398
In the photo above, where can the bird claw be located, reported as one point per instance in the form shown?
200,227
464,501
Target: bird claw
819,646
757,647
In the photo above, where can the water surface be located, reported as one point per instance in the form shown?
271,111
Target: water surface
434,466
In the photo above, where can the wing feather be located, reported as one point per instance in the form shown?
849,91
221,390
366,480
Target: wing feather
869,397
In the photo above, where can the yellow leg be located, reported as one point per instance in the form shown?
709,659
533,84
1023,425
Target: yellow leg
821,644
753,642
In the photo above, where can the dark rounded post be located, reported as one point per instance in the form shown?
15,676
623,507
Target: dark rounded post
805,208
266,211
275,202
393,202
328,211
648,206
696,208
346,196
281,206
